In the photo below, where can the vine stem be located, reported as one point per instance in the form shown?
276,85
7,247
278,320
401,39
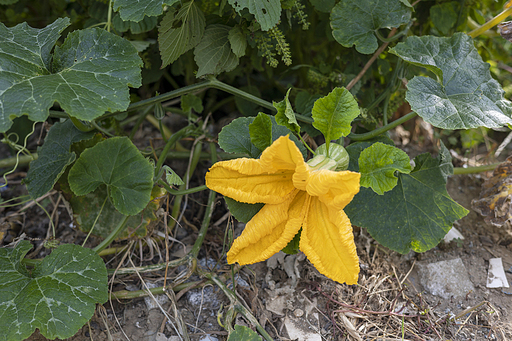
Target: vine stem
383,129
112,236
172,140
475,170
491,23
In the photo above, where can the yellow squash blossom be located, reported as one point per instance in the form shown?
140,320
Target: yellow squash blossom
296,195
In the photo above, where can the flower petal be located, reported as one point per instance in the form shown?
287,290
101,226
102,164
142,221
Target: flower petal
328,242
269,231
334,189
265,180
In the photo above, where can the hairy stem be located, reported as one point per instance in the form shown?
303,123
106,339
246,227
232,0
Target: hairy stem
381,130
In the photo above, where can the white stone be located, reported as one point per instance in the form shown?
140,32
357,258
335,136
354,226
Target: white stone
496,277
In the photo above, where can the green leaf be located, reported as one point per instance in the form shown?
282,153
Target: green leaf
145,25
260,131
236,137
266,12
354,22
324,6
333,114
293,245
87,75
136,10
86,209
378,164
243,333
354,150
285,115
416,214
248,108
53,158
58,297
444,16
180,31
191,101
117,163
171,177
213,54
237,40
466,96
242,211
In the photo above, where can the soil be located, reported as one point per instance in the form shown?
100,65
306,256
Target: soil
289,298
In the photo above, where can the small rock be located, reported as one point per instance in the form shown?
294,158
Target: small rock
446,278
160,299
496,276
208,338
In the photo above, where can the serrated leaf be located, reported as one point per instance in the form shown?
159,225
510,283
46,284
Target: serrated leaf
243,333
354,22
180,31
171,177
237,40
416,214
58,297
236,137
136,10
466,96
324,6
285,115
191,101
53,158
87,75
260,131
378,164
266,12
333,114
117,163
445,161
242,211
87,208
354,150
213,54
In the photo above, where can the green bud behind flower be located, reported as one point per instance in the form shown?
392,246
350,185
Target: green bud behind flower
337,159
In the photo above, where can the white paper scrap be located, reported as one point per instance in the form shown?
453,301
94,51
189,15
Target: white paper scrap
496,277
453,234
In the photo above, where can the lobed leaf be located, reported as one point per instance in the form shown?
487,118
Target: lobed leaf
180,31
242,211
378,164
266,12
213,54
53,158
465,95
354,22
415,214
117,163
334,113
136,10
58,297
87,75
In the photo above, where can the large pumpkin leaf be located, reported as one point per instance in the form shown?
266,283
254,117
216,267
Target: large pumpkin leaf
415,214
180,31
135,10
213,54
354,22
266,12
87,75
53,157
465,95
58,297
117,163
